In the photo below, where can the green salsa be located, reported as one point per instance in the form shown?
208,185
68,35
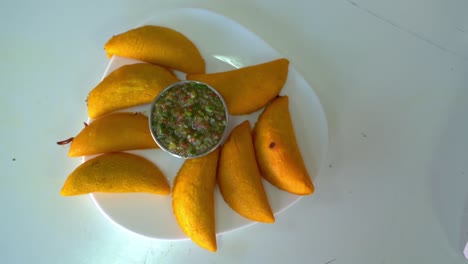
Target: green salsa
188,119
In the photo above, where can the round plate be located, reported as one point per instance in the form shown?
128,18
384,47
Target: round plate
225,45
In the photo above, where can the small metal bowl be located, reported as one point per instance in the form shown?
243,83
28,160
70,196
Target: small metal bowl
154,133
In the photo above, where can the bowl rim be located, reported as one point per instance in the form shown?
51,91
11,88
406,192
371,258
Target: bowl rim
182,82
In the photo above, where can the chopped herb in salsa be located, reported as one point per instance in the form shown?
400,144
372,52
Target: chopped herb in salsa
188,119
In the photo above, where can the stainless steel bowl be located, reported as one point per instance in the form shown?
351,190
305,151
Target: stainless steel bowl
153,133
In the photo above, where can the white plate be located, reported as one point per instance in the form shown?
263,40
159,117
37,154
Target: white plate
225,45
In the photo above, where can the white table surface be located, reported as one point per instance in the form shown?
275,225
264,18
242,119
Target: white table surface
392,77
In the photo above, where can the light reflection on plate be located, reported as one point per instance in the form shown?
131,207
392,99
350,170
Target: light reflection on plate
233,61
225,45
